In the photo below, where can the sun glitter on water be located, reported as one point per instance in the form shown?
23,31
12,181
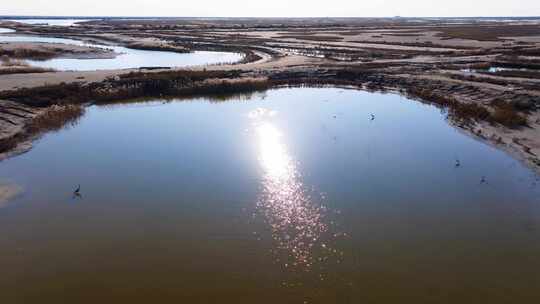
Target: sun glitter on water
298,223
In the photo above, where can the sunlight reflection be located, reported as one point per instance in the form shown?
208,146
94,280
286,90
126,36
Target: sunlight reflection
298,224
273,156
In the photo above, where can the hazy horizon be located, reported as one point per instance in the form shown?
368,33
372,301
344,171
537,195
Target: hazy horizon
248,17
275,8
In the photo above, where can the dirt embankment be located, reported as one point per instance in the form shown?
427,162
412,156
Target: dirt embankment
14,118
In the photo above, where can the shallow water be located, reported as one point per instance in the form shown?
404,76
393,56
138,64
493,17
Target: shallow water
6,30
292,196
54,22
128,58
495,70
500,69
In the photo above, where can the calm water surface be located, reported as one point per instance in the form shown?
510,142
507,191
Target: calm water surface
128,58
291,196
496,69
55,22
6,30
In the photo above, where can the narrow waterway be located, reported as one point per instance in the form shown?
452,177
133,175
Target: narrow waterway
127,58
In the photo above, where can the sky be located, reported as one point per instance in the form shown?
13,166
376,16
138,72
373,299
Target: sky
272,8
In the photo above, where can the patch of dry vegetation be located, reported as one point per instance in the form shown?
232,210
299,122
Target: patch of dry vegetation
508,115
424,44
56,118
16,66
137,84
6,61
157,47
29,53
502,113
486,32
9,143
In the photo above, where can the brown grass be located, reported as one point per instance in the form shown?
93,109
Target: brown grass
36,54
15,66
137,84
56,118
6,61
506,115
424,44
464,112
7,144
502,113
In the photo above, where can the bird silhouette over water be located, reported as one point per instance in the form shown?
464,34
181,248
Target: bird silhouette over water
77,192
372,117
458,163
483,180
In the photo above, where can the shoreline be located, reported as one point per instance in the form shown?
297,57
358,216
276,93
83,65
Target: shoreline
485,132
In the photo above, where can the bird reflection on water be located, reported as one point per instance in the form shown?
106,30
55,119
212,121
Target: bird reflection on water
300,227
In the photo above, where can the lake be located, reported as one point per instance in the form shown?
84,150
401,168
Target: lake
297,195
128,58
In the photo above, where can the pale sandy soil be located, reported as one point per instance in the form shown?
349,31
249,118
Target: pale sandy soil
523,144
17,81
